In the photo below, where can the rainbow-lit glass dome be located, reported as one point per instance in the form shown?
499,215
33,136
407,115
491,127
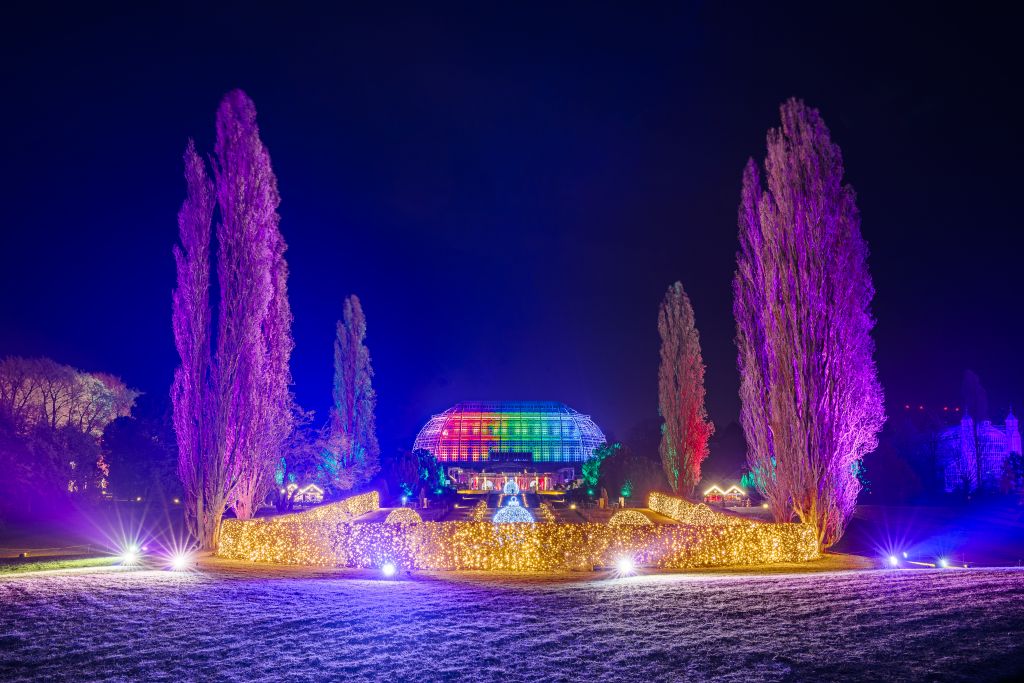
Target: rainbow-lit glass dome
510,431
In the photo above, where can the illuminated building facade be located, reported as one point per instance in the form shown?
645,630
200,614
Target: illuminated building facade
733,496
960,447
486,443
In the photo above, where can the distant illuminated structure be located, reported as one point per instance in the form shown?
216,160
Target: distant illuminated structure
310,494
733,496
959,448
489,443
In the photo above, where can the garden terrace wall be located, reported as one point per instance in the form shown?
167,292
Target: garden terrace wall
326,541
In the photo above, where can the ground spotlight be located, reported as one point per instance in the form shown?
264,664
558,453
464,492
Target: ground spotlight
894,561
625,565
179,562
388,569
943,562
131,555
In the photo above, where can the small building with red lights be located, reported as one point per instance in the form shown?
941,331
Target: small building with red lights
733,496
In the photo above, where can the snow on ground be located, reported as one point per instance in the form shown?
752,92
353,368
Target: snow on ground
272,624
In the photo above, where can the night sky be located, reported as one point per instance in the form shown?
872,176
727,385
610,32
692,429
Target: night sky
510,194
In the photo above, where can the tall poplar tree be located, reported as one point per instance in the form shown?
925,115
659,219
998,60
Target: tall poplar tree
231,401
191,391
254,340
812,405
686,429
353,436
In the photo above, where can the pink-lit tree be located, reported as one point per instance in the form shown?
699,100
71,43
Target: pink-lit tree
254,342
191,391
812,405
687,429
232,409
352,443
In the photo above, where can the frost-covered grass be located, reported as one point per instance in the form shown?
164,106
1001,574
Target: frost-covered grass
265,623
22,567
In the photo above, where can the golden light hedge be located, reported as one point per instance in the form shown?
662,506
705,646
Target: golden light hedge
403,516
634,517
289,538
481,513
330,539
685,512
343,510
544,513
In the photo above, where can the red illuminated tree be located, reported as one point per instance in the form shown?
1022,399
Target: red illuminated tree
352,443
687,429
812,405
231,400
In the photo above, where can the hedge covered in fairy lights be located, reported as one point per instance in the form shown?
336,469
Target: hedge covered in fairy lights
481,513
634,517
544,513
685,512
403,516
342,511
329,539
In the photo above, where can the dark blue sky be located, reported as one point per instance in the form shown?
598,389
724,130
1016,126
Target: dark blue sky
511,191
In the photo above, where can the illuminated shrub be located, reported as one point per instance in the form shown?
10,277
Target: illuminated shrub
481,512
513,513
630,517
545,513
403,516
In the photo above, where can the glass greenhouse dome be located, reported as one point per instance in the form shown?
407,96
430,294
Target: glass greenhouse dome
510,432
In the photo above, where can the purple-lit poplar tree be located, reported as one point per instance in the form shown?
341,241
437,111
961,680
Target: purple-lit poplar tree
812,405
686,430
353,438
254,340
190,392
234,406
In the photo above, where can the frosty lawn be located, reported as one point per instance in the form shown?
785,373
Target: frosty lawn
51,564
251,622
